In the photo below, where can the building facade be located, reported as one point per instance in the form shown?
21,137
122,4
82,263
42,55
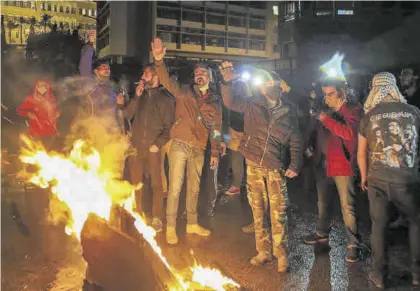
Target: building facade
20,17
191,30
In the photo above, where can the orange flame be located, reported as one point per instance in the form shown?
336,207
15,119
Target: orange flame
84,186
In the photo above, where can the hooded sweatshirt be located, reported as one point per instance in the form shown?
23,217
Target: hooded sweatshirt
45,110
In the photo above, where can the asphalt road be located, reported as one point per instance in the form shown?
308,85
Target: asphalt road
42,258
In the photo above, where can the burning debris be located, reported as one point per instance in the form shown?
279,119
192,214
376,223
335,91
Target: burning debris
84,190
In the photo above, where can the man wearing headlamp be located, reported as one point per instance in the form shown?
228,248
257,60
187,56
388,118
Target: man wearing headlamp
272,147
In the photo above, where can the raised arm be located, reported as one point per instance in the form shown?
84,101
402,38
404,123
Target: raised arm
240,103
172,85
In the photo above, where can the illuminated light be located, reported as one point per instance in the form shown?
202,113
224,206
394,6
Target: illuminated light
275,10
257,81
333,68
345,12
246,76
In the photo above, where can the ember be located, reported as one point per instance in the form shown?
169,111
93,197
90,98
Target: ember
84,187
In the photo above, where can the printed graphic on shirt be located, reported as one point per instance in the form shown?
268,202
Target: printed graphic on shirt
394,139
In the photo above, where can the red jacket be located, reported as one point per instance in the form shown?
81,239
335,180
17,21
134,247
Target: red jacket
342,133
46,112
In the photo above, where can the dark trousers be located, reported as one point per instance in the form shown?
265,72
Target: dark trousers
237,161
345,187
406,198
209,181
148,164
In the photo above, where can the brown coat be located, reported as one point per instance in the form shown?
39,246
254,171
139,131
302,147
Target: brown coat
197,117
271,137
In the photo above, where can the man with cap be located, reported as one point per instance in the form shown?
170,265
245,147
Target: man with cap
197,118
272,146
152,113
389,133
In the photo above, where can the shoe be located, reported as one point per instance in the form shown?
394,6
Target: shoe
415,281
171,236
352,254
315,238
197,229
157,224
233,191
248,228
377,279
400,222
282,265
261,259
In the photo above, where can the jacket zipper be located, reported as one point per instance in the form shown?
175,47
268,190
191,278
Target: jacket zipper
268,136
249,136
145,119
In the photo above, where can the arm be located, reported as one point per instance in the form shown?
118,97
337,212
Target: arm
239,104
361,159
296,145
85,62
216,133
346,129
130,109
169,83
167,117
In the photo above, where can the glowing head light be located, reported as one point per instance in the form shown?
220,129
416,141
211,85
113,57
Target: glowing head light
333,68
246,76
257,81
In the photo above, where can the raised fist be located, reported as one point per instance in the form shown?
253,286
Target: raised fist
158,50
227,71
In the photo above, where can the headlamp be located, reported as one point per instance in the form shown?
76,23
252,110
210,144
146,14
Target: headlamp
246,76
333,68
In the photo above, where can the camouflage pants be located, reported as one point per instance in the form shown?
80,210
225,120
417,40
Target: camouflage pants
267,195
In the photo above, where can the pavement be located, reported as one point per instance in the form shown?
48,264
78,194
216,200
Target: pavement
41,257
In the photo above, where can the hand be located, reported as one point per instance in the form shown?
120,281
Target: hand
223,145
158,50
140,88
120,99
290,174
153,149
214,161
309,152
227,71
322,115
363,185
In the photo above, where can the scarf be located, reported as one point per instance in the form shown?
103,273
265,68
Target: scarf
384,89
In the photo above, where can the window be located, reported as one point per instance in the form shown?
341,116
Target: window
216,19
67,10
18,3
275,10
80,11
94,12
237,43
41,6
237,21
192,16
345,12
25,4
54,8
73,10
215,41
191,39
323,13
89,12
83,11
168,13
257,45
61,9
49,7
256,24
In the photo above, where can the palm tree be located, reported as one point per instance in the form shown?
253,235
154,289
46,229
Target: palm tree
11,25
22,21
44,20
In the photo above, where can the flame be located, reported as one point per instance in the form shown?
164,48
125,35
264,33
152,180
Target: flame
83,186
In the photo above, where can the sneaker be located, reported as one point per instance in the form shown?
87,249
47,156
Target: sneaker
352,254
261,259
415,281
282,265
248,228
315,238
157,224
233,191
171,236
197,229
400,222
377,279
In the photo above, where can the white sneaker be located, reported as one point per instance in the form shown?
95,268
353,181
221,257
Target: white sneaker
171,236
197,229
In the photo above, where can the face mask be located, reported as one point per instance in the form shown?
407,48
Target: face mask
273,93
204,88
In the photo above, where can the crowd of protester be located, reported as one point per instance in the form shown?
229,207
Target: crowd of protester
259,129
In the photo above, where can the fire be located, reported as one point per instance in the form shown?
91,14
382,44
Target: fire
80,182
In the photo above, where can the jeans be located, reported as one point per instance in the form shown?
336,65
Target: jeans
164,151
345,187
406,198
267,195
238,168
148,163
183,156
